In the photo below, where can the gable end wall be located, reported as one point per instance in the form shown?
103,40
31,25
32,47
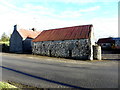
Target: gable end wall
16,42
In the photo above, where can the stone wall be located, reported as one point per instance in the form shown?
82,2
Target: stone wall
27,47
77,49
16,42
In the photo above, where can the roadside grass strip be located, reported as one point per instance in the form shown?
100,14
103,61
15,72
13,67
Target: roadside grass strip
4,85
7,42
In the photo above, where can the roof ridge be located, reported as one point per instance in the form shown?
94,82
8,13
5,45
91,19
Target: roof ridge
28,33
69,27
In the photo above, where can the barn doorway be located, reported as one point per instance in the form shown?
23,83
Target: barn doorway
70,53
50,53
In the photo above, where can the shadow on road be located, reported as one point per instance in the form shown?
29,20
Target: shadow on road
111,55
109,51
41,78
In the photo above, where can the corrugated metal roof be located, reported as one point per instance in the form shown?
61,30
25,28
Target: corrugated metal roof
106,40
28,33
67,33
117,38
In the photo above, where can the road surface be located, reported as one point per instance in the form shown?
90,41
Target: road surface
48,72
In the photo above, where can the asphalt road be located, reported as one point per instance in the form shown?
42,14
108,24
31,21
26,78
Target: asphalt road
48,72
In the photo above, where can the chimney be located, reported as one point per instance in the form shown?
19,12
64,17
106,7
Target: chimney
33,29
15,27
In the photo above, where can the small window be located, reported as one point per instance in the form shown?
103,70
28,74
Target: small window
50,53
43,45
70,53
77,44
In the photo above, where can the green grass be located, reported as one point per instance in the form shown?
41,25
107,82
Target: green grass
7,42
4,85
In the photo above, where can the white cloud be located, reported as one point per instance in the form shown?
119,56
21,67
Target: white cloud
90,9
7,4
103,27
76,14
47,1
10,6
71,1
86,1
69,14
32,7
39,10
26,17
28,8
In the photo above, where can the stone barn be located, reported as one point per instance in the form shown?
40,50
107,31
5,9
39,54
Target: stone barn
69,42
20,40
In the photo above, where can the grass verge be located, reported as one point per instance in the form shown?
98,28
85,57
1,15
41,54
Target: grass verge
4,85
24,87
7,42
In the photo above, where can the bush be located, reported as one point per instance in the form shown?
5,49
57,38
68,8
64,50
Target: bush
4,48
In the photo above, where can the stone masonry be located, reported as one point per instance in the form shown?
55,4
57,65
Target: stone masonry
77,49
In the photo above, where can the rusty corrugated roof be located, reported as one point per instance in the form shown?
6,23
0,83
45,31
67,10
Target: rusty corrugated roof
67,33
28,33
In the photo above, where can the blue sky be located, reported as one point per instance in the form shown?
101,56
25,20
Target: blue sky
50,14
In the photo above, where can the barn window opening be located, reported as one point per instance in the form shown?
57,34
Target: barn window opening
50,53
77,44
70,53
43,45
